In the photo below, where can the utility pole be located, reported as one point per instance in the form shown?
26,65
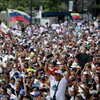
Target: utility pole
95,8
67,8
82,8
31,12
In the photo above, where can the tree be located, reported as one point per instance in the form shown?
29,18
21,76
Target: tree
53,5
48,5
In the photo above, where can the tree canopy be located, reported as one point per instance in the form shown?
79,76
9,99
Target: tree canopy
48,5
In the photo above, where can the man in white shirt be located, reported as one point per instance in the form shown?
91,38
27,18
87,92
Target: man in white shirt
58,84
61,82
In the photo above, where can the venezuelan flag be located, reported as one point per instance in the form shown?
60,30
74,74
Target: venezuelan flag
3,28
16,15
75,15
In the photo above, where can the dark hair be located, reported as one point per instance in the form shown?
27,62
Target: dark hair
12,78
12,91
27,97
79,97
88,65
5,90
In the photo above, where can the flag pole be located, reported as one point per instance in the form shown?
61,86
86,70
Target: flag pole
8,17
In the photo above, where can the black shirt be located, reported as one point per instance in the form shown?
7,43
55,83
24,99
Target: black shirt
83,58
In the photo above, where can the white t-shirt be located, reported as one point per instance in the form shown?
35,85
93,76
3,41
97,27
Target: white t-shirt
12,96
60,94
96,24
42,29
54,26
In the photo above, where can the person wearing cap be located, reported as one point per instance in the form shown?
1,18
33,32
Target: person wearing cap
58,83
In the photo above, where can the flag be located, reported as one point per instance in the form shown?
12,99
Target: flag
16,15
3,28
75,15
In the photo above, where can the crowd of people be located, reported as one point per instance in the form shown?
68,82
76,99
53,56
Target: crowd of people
51,62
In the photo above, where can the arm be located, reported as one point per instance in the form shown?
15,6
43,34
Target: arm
76,52
85,90
67,73
19,97
25,88
82,71
39,62
46,67
31,82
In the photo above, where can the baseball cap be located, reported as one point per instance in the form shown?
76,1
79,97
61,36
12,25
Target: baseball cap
22,92
58,72
30,69
52,71
74,65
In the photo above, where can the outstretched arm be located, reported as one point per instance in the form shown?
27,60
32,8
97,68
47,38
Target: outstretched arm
46,67
67,73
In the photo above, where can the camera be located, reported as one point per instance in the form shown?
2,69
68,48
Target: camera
49,56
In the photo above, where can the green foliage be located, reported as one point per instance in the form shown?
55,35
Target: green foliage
52,5
48,5
20,8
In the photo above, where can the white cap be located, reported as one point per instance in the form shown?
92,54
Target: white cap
58,72
85,73
74,65
58,62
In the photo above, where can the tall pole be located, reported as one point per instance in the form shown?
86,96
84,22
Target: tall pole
95,9
82,8
67,8
31,11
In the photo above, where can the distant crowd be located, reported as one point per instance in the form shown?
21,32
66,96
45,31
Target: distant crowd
51,62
